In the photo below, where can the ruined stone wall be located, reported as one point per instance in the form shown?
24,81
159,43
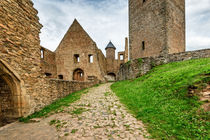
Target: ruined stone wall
48,64
102,62
20,48
156,27
141,66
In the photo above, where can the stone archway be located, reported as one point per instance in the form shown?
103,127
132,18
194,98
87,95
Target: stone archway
13,103
78,75
111,76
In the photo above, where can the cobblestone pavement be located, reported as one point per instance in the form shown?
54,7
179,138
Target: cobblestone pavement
97,115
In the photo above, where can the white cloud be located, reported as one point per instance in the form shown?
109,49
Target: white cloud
106,20
197,24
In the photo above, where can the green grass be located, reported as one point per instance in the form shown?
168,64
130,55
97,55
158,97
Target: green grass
160,99
55,106
78,111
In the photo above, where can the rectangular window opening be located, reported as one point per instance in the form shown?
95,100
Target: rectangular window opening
76,58
144,1
121,57
90,58
60,76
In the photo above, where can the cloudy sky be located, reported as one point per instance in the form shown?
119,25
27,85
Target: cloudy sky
106,20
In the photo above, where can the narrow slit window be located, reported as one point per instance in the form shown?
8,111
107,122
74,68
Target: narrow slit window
76,58
90,58
143,45
42,53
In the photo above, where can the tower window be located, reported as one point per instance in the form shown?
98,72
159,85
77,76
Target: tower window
90,57
144,1
143,45
42,53
76,58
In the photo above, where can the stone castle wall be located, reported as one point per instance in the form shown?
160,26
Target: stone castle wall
141,66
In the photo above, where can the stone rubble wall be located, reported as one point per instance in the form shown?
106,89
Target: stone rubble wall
20,49
48,64
53,89
141,66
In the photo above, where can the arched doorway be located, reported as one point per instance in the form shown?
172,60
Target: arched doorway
11,98
111,76
78,75
6,102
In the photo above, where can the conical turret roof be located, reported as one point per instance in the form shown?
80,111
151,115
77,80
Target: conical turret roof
110,45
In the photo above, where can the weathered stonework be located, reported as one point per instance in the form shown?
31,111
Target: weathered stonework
20,52
73,54
141,66
156,27
24,86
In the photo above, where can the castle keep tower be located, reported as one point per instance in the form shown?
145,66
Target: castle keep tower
156,27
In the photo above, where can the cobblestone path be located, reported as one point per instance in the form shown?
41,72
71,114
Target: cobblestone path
97,115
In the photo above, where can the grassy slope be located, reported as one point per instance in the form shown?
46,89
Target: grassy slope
160,100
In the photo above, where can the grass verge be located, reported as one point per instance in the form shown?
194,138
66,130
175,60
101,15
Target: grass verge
66,101
160,99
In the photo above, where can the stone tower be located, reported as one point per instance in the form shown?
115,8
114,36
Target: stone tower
110,58
110,51
156,27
